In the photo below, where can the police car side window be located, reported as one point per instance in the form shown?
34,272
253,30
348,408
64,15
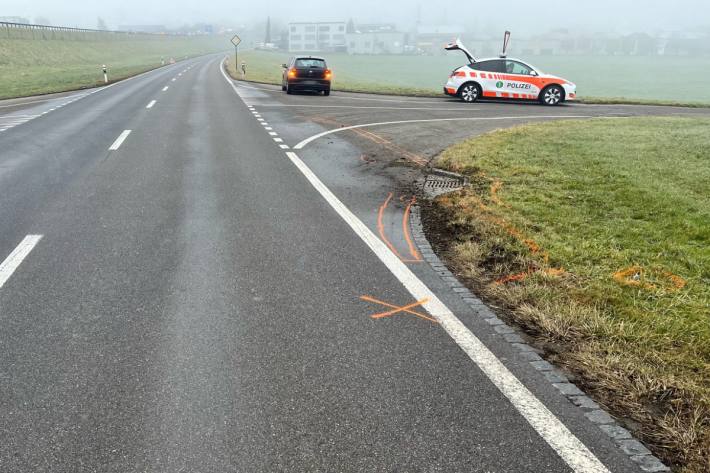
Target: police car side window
514,67
490,66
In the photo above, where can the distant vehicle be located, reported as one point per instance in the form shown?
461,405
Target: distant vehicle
505,78
306,74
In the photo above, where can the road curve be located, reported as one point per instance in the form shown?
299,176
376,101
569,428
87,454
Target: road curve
179,294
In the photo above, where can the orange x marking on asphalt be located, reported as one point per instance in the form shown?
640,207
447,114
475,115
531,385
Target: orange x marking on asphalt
397,309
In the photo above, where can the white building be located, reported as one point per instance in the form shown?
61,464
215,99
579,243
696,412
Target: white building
317,36
376,39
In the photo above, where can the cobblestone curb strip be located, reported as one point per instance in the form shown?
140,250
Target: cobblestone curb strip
592,411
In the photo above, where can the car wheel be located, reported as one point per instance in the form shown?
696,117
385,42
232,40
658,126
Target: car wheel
283,87
470,92
288,90
553,95
326,92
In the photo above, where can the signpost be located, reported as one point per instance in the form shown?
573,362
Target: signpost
235,41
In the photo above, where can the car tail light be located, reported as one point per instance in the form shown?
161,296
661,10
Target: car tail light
292,73
328,74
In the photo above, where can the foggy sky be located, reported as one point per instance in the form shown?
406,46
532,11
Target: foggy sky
522,16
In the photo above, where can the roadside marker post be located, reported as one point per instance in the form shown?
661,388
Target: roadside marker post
236,40
244,70
105,69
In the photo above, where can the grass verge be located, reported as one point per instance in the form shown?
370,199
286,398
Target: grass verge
427,74
594,236
33,67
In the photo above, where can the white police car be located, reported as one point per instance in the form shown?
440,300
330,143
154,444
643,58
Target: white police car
505,78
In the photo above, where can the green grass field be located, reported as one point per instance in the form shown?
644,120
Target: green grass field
675,79
30,67
602,252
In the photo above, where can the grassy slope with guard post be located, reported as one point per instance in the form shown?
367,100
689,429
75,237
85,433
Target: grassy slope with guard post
59,61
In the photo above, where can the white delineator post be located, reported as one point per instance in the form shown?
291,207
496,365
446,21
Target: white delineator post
105,74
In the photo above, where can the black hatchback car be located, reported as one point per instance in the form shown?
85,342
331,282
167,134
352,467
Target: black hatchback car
306,74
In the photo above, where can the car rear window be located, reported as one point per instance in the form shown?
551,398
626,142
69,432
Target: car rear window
309,62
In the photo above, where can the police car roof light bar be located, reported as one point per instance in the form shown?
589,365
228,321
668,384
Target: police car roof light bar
506,41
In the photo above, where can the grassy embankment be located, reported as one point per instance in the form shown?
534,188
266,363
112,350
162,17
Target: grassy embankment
37,66
600,79
595,238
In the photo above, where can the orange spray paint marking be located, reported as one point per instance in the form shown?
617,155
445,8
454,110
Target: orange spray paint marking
495,188
555,272
634,276
368,135
416,258
405,228
398,309
381,225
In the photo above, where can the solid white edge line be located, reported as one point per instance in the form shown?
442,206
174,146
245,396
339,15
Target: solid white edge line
308,140
550,428
150,105
12,262
119,141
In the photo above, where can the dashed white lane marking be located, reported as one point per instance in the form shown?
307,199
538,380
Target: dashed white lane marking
150,105
268,128
549,427
305,142
119,141
283,146
10,121
273,133
174,79
12,262
165,88
278,140
4,121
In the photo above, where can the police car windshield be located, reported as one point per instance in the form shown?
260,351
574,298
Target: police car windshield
310,62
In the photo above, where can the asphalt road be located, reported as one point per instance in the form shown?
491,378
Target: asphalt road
189,297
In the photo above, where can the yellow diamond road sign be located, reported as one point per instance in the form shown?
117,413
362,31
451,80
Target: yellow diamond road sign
236,40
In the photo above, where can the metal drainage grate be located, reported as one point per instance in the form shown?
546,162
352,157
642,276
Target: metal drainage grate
441,182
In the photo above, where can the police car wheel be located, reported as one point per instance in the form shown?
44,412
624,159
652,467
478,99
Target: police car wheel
469,93
553,95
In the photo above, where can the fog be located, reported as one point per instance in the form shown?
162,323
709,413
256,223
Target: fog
522,16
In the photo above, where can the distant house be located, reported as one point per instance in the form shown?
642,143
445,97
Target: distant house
317,36
431,39
639,44
376,39
143,28
685,44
